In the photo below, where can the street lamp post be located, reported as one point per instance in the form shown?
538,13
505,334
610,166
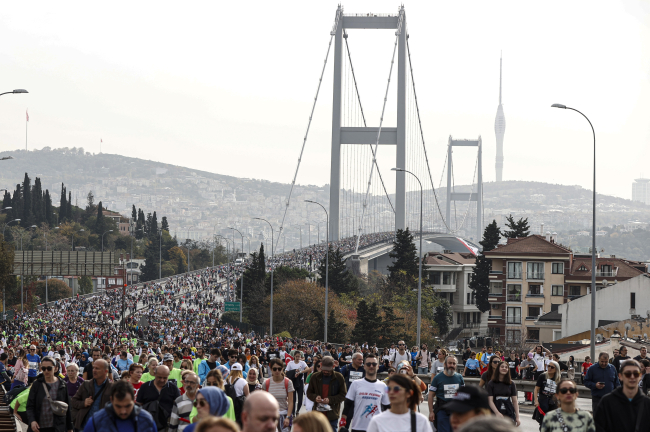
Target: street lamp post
327,264
7,224
241,295
272,251
22,304
15,92
160,256
103,238
46,293
420,266
593,240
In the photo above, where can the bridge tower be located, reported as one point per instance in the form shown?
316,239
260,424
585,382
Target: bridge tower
466,196
368,135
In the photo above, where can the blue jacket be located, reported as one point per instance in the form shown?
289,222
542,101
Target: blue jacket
204,369
106,420
607,375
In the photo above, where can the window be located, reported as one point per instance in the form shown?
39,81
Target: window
534,311
574,290
435,277
459,317
632,300
513,336
535,270
535,290
557,290
496,306
555,307
557,268
451,298
557,334
471,298
514,315
514,292
514,270
496,288
582,268
476,317
446,278
606,270
533,334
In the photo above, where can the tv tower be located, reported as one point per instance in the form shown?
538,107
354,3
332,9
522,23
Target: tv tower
500,127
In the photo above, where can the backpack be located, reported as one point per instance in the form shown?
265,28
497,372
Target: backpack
237,401
267,384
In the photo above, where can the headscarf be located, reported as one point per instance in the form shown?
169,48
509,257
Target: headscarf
83,363
217,400
257,376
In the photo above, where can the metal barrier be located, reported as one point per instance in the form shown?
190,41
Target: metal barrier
8,421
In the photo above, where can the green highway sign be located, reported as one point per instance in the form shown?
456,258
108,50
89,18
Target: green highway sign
231,306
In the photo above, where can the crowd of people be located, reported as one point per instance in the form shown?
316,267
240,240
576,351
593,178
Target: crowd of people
172,364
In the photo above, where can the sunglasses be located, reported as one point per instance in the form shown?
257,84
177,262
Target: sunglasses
371,364
200,402
276,369
628,374
566,390
552,367
47,368
401,344
394,389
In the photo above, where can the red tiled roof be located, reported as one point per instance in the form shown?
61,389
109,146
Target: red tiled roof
625,270
534,244
459,258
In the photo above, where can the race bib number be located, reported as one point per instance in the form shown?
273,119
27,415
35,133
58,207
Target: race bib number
355,376
271,356
33,365
550,386
511,364
439,370
451,390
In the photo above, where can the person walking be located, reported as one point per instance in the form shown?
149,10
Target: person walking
601,379
404,397
46,389
282,389
93,395
182,408
442,390
327,389
122,414
568,417
545,389
502,394
625,409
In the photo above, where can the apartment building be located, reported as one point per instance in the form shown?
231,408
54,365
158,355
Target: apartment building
532,276
449,274
527,280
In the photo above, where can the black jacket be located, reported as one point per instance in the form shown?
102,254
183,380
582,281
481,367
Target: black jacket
615,413
36,399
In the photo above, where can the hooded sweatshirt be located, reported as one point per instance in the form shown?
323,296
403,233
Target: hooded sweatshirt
616,413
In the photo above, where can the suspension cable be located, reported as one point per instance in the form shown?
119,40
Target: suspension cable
381,122
311,115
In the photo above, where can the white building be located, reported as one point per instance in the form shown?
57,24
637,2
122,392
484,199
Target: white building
615,303
641,190
449,273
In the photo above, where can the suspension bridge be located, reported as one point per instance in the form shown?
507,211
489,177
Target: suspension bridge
364,199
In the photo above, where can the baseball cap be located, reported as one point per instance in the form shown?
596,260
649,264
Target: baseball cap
236,366
327,364
168,357
468,398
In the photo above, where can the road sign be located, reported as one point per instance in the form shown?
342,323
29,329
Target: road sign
231,306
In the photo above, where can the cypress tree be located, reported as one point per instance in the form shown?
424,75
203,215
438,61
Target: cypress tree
261,265
406,258
164,224
442,316
27,218
153,233
99,223
63,205
38,204
69,209
339,278
6,202
134,215
47,208
480,282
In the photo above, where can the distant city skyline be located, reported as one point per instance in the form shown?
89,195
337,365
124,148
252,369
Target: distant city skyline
243,111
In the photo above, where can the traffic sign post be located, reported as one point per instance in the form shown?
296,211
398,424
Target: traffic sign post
232,306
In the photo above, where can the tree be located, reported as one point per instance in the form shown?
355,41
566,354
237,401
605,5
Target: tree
389,326
177,256
56,290
27,218
140,225
152,261
164,225
518,229
406,263
368,323
7,280
339,279
261,266
443,316
63,205
85,285
134,214
480,282
99,223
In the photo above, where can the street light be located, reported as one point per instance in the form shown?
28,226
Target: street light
593,240
8,223
5,158
420,266
327,265
272,250
241,295
103,238
15,92
4,310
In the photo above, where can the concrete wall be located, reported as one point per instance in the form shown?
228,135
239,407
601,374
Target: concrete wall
612,303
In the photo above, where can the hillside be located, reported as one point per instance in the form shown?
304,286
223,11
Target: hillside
195,201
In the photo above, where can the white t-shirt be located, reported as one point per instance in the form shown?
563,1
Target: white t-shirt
389,422
368,397
292,365
539,360
397,357
239,386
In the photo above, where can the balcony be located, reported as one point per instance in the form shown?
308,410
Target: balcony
496,272
467,325
611,273
534,295
495,317
535,276
514,275
531,318
514,297
495,294
573,297
530,341
513,320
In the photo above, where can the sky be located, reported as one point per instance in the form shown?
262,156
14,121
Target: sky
228,87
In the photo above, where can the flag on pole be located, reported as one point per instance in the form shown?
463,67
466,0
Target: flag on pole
27,114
